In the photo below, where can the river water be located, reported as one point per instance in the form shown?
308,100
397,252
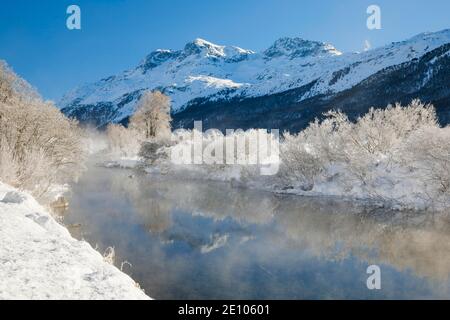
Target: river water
208,240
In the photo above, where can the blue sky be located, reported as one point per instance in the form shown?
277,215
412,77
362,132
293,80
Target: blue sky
117,34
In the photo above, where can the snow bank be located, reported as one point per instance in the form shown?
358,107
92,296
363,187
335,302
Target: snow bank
39,259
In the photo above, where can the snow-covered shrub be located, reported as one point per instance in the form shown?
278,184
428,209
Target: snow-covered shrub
301,163
236,155
393,154
373,143
382,130
153,151
39,146
123,142
426,153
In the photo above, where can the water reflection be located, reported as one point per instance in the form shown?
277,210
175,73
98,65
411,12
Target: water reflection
188,239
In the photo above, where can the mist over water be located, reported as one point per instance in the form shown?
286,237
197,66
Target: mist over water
197,239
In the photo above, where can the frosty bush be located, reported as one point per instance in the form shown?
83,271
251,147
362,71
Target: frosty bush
300,162
39,146
375,140
152,151
381,153
123,142
237,154
427,155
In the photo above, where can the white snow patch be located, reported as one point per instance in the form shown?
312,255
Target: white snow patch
214,82
39,259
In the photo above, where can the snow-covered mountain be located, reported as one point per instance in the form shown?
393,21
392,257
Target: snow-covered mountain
204,73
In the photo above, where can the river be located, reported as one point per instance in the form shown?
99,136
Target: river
207,240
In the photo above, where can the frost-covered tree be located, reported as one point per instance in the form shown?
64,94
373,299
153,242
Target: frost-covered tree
152,116
38,144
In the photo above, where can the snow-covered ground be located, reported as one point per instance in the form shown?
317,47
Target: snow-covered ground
39,259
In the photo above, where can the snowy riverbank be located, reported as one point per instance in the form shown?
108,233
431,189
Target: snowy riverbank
39,259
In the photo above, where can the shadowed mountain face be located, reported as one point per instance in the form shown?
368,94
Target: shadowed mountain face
284,87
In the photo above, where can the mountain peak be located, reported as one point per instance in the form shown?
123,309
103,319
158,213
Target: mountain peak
208,49
204,43
199,46
298,47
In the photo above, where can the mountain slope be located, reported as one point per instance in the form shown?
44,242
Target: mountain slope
426,78
212,82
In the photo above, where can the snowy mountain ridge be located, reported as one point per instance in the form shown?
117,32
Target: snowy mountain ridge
203,70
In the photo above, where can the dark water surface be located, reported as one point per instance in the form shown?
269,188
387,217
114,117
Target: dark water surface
195,239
